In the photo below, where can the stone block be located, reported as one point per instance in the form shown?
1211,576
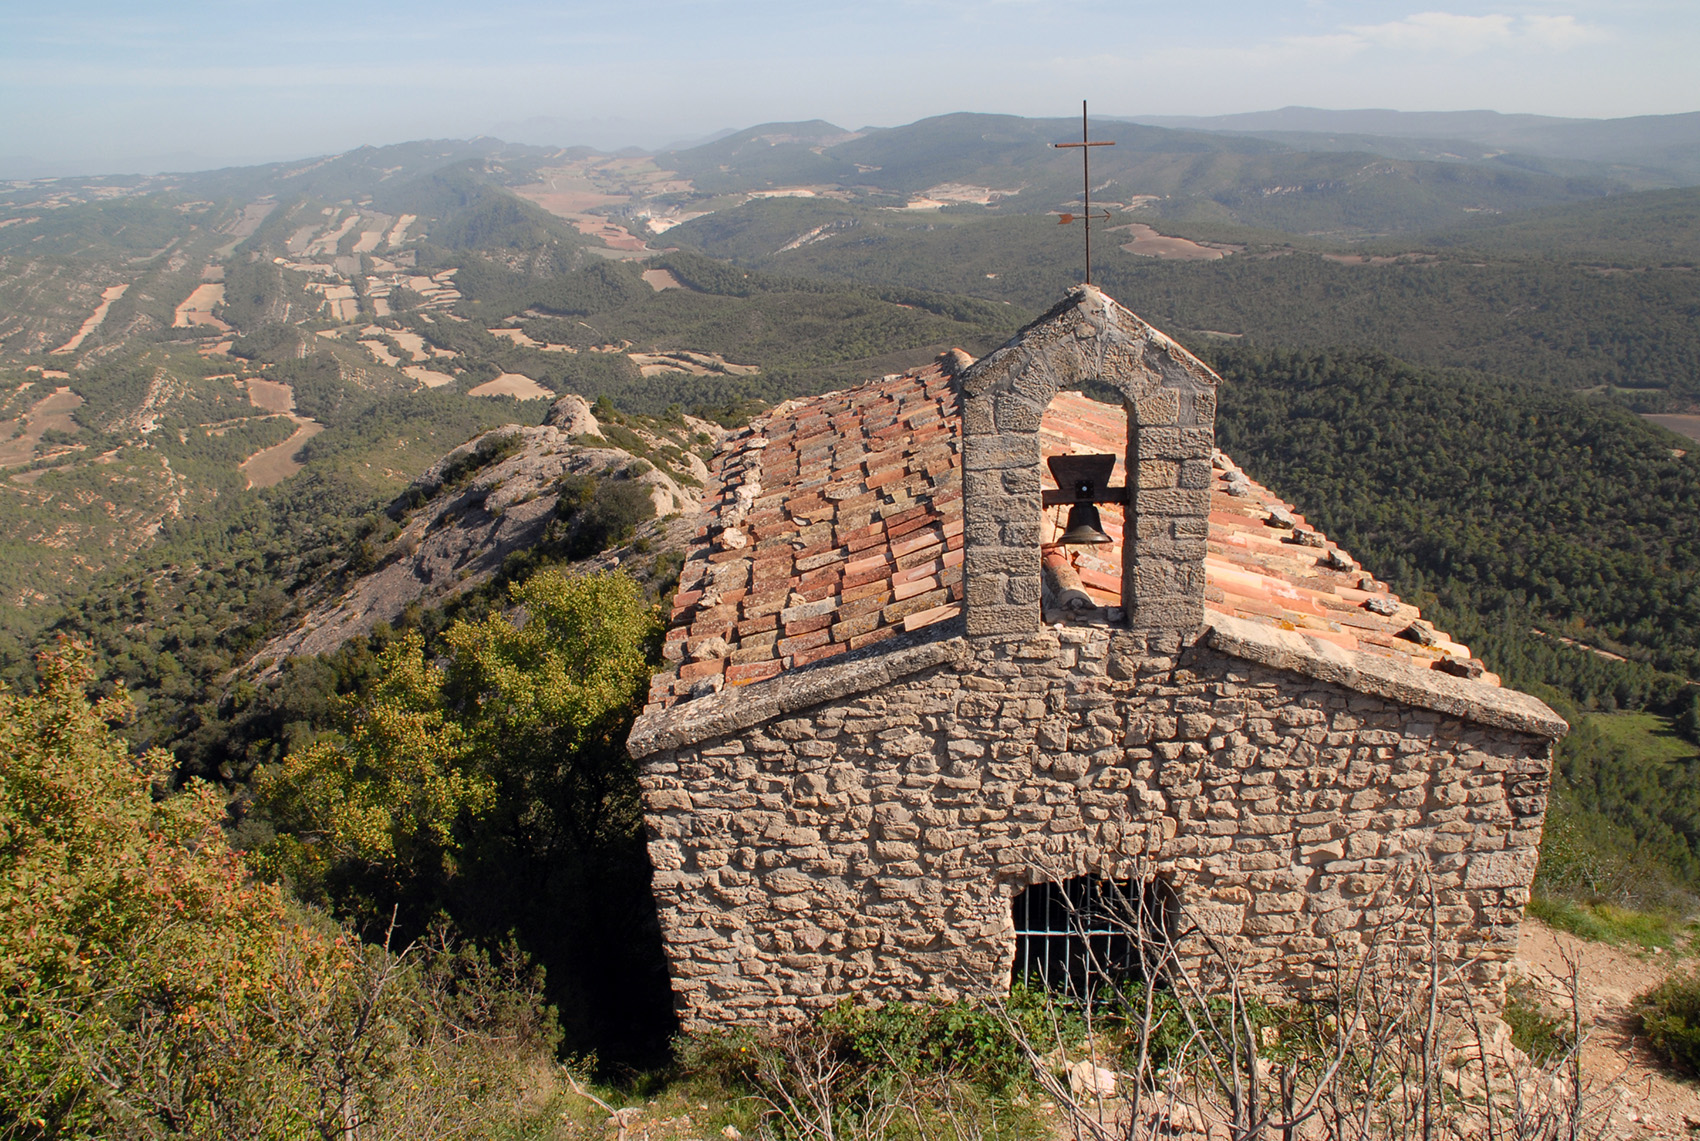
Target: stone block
1194,473
981,621
1203,410
1023,590
1021,481
1157,409
1014,561
978,416
1159,474
1509,869
994,453
983,487
1173,501
1022,532
1175,443
987,589
1017,413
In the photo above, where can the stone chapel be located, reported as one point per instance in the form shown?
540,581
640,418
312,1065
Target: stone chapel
904,694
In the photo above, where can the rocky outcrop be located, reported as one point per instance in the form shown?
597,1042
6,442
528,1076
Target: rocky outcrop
572,415
465,515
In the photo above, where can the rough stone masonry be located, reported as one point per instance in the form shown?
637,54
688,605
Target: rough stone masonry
860,824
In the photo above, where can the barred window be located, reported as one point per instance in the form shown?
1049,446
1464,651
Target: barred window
1078,936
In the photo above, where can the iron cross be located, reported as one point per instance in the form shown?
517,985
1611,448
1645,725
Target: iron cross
1085,144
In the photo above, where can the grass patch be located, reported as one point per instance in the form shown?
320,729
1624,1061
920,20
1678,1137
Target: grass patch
1609,923
1648,734
1536,1029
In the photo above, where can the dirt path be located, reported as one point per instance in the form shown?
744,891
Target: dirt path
1647,1100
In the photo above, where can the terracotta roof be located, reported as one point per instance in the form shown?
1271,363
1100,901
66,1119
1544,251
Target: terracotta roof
1265,562
835,523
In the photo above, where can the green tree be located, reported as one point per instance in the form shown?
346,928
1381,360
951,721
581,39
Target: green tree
499,791
106,895
385,796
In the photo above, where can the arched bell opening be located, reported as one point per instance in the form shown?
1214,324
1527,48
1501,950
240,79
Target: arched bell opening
1084,445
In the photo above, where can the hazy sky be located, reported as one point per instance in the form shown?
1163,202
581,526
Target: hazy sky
103,86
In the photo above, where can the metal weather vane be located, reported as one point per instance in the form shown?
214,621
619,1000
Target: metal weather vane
1085,144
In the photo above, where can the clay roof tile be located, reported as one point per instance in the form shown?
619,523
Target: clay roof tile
847,509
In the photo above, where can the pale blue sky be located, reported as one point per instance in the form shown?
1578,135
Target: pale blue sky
139,86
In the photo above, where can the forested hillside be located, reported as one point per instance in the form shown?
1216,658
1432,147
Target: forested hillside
1535,308
1539,527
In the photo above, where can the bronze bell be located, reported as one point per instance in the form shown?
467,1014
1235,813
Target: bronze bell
1083,482
1084,527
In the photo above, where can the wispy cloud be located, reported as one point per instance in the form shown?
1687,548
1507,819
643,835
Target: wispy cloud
1451,33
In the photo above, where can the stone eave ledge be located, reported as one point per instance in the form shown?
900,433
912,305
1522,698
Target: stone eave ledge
734,710
1427,689
738,708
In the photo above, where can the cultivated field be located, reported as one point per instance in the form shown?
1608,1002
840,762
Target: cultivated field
197,308
1146,242
271,396
277,463
107,297
526,342
1683,424
515,384
381,353
697,364
430,378
51,411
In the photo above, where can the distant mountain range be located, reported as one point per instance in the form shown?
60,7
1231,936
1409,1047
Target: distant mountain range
1659,146
1339,186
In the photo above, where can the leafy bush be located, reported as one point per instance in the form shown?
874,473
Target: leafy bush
149,987
967,1039
601,512
1670,1017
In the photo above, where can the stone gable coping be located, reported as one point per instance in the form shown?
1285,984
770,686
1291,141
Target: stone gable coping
1382,677
739,708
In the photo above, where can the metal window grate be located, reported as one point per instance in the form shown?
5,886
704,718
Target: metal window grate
1075,937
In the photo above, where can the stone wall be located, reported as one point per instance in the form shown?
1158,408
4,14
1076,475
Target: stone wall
864,831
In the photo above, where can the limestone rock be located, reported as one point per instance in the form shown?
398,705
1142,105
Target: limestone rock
458,527
1088,1080
572,415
